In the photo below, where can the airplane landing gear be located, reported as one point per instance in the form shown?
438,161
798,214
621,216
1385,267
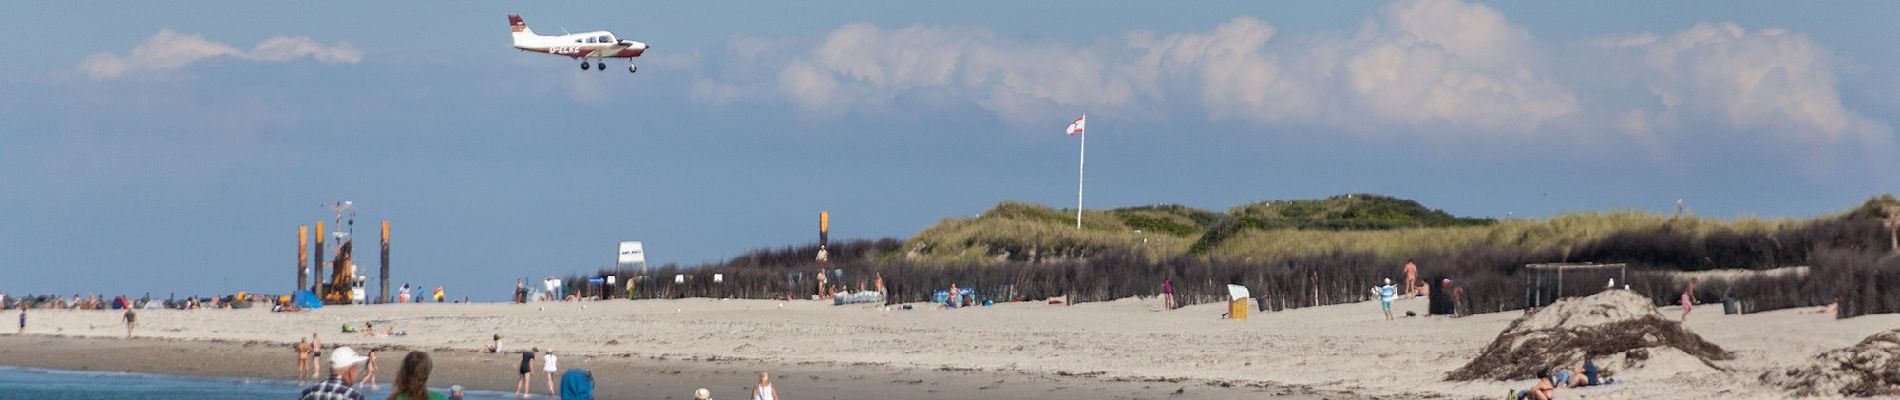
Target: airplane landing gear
603,66
585,65
632,69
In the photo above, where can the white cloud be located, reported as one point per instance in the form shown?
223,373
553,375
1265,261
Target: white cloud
1414,67
1418,62
170,51
1765,80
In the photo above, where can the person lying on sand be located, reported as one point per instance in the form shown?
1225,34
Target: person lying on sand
1543,390
1587,375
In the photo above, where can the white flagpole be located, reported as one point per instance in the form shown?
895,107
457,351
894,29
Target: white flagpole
1079,171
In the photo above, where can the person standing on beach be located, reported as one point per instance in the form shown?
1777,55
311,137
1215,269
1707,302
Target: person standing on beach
522,386
316,356
131,319
1688,298
1411,278
548,367
764,391
822,281
1167,293
1386,294
438,294
521,291
343,371
303,358
22,318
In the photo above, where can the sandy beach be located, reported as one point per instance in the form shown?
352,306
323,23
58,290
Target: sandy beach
1122,349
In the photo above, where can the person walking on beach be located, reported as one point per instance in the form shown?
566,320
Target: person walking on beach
1411,279
1386,294
131,320
438,294
344,364
548,366
527,360
1167,293
369,371
764,391
521,291
1688,298
412,378
22,318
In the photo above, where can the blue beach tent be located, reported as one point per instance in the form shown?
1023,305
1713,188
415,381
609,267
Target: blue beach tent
306,300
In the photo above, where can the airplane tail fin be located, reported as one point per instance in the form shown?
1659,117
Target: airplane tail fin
519,27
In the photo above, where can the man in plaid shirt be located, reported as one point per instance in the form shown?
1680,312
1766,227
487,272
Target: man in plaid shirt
344,363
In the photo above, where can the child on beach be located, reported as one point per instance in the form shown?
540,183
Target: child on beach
764,391
1167,293
548,366
1688,297
1386,294
527,360
369,371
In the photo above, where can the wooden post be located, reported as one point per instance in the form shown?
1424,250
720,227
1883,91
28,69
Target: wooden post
303,255
316,269
383,278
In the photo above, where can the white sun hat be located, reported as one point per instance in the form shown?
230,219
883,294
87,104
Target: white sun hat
345,357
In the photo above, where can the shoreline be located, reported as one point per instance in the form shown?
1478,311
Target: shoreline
621,376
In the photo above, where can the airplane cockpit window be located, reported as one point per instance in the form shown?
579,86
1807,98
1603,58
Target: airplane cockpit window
607,39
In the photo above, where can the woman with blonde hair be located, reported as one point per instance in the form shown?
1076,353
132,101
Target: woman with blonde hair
764,391
412,379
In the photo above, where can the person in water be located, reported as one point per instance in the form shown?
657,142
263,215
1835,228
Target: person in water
412,379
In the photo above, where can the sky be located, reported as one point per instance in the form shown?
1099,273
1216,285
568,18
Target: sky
166,148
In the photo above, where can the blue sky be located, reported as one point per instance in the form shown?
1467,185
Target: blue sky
161,148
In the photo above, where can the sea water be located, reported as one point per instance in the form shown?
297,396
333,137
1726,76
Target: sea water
43,384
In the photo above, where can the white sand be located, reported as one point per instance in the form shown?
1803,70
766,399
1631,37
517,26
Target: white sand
1344,347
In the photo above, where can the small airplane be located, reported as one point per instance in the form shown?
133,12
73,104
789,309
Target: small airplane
593,46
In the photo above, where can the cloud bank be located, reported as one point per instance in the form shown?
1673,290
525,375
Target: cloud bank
1412,67
169,51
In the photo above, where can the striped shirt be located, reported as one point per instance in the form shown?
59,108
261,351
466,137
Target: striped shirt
331,389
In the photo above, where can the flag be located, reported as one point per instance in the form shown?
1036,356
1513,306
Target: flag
1075,128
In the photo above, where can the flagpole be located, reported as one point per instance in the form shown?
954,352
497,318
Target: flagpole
1079,171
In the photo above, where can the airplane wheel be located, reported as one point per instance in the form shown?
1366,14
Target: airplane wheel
632,69
585,65
603,66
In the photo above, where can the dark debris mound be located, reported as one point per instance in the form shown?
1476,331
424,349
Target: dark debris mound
1574,329
1871,368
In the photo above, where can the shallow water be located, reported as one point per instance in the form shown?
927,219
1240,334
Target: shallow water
43,384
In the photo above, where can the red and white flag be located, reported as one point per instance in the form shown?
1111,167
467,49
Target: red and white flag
1075,128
